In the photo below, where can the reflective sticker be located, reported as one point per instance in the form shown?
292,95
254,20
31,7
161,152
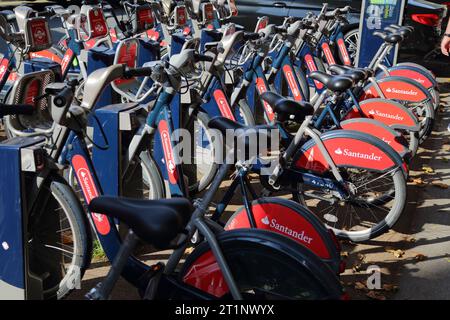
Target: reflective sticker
90,192
180,15
289,74
152,34
113,34
168,151
261,87
311,64
262,23
223,104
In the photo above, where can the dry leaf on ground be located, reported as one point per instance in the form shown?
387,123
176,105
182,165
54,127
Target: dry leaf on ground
420,257
440,185
389,287
427,169
375,295
360,286
418,182
396,252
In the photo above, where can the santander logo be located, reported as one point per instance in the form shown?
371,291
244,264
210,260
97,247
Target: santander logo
287,70
400,91
90,192
358,155
385,115
328,54
261,87
223,105
168,154
344,52
300,235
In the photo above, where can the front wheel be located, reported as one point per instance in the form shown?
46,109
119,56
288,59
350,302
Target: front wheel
376,203
59,242
264,265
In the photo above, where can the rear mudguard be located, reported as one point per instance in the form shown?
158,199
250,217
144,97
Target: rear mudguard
391,113
381,131
417,66
290,219
397,88
350,149
411,72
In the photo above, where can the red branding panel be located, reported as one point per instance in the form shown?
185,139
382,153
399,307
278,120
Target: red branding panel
223,105
344,52
208,12
205,274
113,34
261,87
396,90
46,54
40,36
144,16
67,60
180,15
391,114
374,128
168,151
414,75
233,8
281,219
345,152
90,192
262,23
32,91
292,82
127,55
4,72
311,64
97,23
328,54
152,34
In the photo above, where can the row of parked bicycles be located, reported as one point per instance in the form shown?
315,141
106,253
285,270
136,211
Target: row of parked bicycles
105,105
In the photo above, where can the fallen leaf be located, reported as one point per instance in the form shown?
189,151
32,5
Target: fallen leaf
418,182
189,250
396,252
361,257
360,286
411,239
440,185
375,295
427,169
420,257
344,254
357,267
390,287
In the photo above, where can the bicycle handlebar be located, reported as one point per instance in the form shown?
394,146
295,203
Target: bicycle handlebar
15,109
137,72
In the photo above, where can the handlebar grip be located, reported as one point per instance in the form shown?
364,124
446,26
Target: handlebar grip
64,97
280,29
137,72
15,109
251,36
202,57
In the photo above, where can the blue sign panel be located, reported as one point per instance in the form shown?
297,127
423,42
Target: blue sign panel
375,16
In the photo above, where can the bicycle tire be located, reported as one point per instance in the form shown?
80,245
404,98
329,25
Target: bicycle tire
265,265
58,285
